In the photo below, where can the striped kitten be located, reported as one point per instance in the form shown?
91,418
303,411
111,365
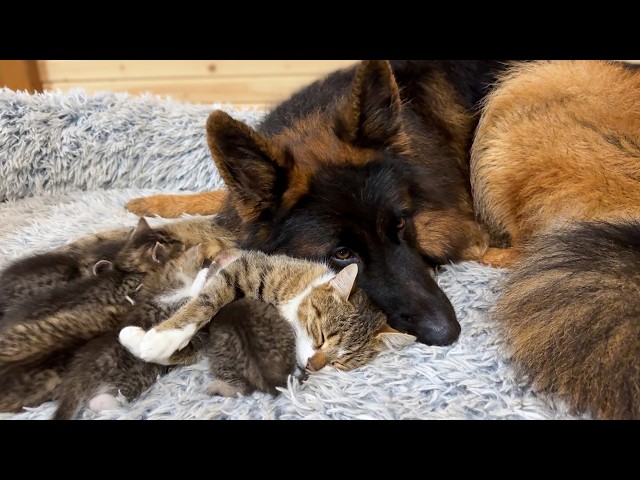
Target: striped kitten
331,325
102,367
60,299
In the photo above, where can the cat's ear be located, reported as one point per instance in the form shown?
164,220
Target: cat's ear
392,339
102,266
370,115
343,282
252,167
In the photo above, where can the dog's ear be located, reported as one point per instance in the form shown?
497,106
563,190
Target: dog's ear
251,167
370,116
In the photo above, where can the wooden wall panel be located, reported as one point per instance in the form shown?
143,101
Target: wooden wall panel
241,82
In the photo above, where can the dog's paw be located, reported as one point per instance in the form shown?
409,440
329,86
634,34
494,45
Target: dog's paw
131,338
143,207
161,205
158,346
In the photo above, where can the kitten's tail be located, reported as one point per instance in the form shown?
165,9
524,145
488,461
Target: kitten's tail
571,313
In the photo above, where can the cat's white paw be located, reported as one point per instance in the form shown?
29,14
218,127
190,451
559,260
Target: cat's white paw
104,401
199,283
131,338
158,346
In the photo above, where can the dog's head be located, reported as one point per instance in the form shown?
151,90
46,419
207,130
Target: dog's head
345,185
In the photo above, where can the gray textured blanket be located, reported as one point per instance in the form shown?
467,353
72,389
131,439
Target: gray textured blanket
68,164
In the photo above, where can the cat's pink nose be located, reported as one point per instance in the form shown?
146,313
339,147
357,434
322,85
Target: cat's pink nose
317,361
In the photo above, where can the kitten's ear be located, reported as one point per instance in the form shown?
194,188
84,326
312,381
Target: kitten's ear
102,266
227,256
159,253
140,229
370,117
345,279
193,253
251,166
392,339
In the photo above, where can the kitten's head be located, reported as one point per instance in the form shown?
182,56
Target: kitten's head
185,268
146,249
342,328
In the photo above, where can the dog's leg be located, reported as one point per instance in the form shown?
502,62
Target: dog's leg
173,206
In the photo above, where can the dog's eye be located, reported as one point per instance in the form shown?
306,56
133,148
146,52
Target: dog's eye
342,253
400,224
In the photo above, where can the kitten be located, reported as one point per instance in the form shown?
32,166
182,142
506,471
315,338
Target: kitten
40,335
253,348
331,325
102,367
64,315
31,384
40,272
43,324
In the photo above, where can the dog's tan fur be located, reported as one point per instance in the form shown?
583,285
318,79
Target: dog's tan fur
555,143
556,168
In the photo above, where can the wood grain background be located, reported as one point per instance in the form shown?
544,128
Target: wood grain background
241,82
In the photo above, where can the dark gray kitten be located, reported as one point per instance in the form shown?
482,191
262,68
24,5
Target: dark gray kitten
250,347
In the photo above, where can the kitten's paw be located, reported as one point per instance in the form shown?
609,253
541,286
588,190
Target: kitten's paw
131,338
220,388
158,346
104,401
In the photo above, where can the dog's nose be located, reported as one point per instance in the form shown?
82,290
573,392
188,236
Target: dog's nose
437,331
433,326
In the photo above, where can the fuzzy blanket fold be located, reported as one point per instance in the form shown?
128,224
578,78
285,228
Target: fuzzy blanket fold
68,164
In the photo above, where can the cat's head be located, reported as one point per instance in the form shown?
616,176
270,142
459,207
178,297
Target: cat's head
341,327
146,249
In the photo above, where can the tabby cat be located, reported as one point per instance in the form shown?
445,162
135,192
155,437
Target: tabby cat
331,324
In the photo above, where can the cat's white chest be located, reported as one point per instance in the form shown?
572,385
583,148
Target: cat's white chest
289,310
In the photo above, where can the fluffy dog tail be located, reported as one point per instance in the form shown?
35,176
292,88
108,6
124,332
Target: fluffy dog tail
571,314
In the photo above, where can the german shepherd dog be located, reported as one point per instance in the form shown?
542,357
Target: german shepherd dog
369,165
372,165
